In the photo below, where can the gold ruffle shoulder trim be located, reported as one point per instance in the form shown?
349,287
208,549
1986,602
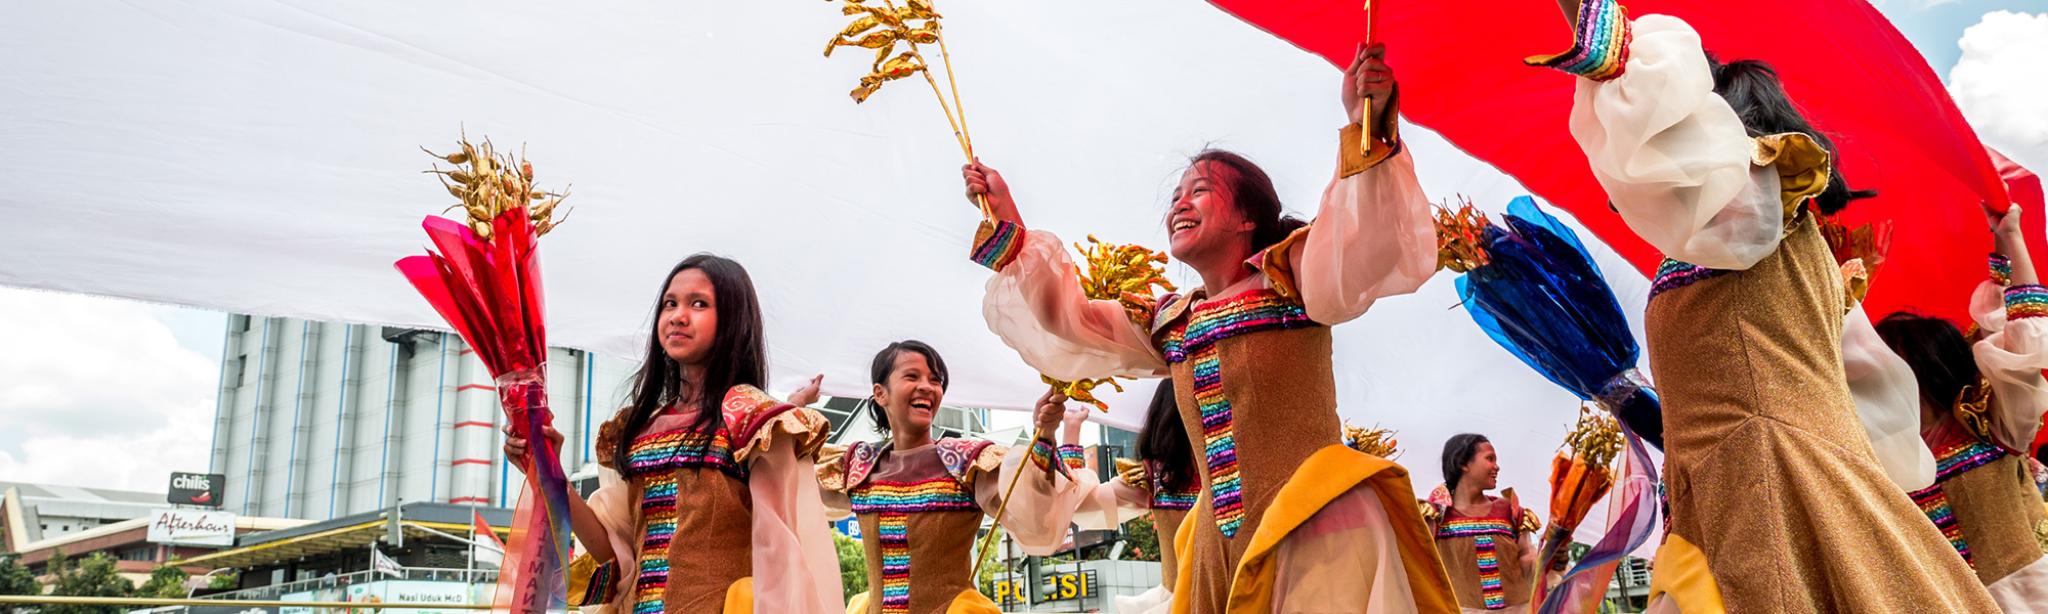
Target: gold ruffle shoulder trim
1274,264
1801,163
608,434
1134,474
987,461
754,420
1430,512
831,466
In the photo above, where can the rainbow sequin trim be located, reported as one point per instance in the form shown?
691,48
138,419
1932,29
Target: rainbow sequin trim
1482,531
1474,527
1219,439
893,532
1251,312
1073,456
682,449
1955,459
893,503
658,510
1672,275
1489,573
596,588
654,459
939,494
1163,499
2025,301
1934,503
1044,457
997,243
1600,50
2001,269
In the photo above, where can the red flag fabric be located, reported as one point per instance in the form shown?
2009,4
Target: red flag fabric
1852,73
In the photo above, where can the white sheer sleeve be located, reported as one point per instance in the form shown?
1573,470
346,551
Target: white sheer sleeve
1108,505
1673,157
1888,402
796,566
1042,507
2011,355
1372,238
1036,306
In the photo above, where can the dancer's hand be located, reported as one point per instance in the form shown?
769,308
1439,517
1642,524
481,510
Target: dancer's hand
1051,407
807,395
516,450
1368,79
1070,425
2004,226
984,181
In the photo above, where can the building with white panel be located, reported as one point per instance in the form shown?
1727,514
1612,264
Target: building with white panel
318,420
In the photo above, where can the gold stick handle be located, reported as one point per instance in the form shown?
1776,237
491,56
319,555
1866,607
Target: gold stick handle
980,552
1365,135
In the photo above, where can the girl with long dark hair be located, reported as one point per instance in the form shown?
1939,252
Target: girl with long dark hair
1483,540
1980,408
1161,482
920,500
1336,529
718,509
1777,500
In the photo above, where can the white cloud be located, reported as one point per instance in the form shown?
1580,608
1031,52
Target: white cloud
98,392
2001,84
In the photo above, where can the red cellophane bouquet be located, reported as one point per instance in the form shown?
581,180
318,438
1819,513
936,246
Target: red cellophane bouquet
485,281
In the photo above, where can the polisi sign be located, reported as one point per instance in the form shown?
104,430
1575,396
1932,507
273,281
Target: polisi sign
202,489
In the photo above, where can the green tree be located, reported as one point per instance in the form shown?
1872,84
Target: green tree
1141,539
165,582
94,576
853,564
225,581
16,579
991,561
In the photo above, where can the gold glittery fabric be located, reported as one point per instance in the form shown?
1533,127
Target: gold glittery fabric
1167,524
1461,559
1280,420
1768,469
1996,506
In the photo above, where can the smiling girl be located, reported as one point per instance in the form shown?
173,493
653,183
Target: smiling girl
1482,539
718,510
920,500
1288,518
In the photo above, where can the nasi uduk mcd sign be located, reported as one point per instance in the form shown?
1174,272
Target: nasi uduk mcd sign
192,527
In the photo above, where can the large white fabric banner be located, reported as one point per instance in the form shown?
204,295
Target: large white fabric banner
263,157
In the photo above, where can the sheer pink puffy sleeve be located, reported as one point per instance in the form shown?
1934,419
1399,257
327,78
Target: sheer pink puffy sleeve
1887,401
796,567
1042,507
1673,157
601,584
1035,304
1373,237
2011,356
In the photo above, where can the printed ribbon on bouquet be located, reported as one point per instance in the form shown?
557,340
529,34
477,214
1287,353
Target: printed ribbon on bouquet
485,281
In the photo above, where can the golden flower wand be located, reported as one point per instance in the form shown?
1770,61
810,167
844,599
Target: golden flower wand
882,28
1126,274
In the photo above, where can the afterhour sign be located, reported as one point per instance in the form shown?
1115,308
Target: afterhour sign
192,527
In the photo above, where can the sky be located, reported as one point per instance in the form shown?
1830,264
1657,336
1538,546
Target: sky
64,421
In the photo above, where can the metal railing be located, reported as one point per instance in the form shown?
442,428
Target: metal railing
343,581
